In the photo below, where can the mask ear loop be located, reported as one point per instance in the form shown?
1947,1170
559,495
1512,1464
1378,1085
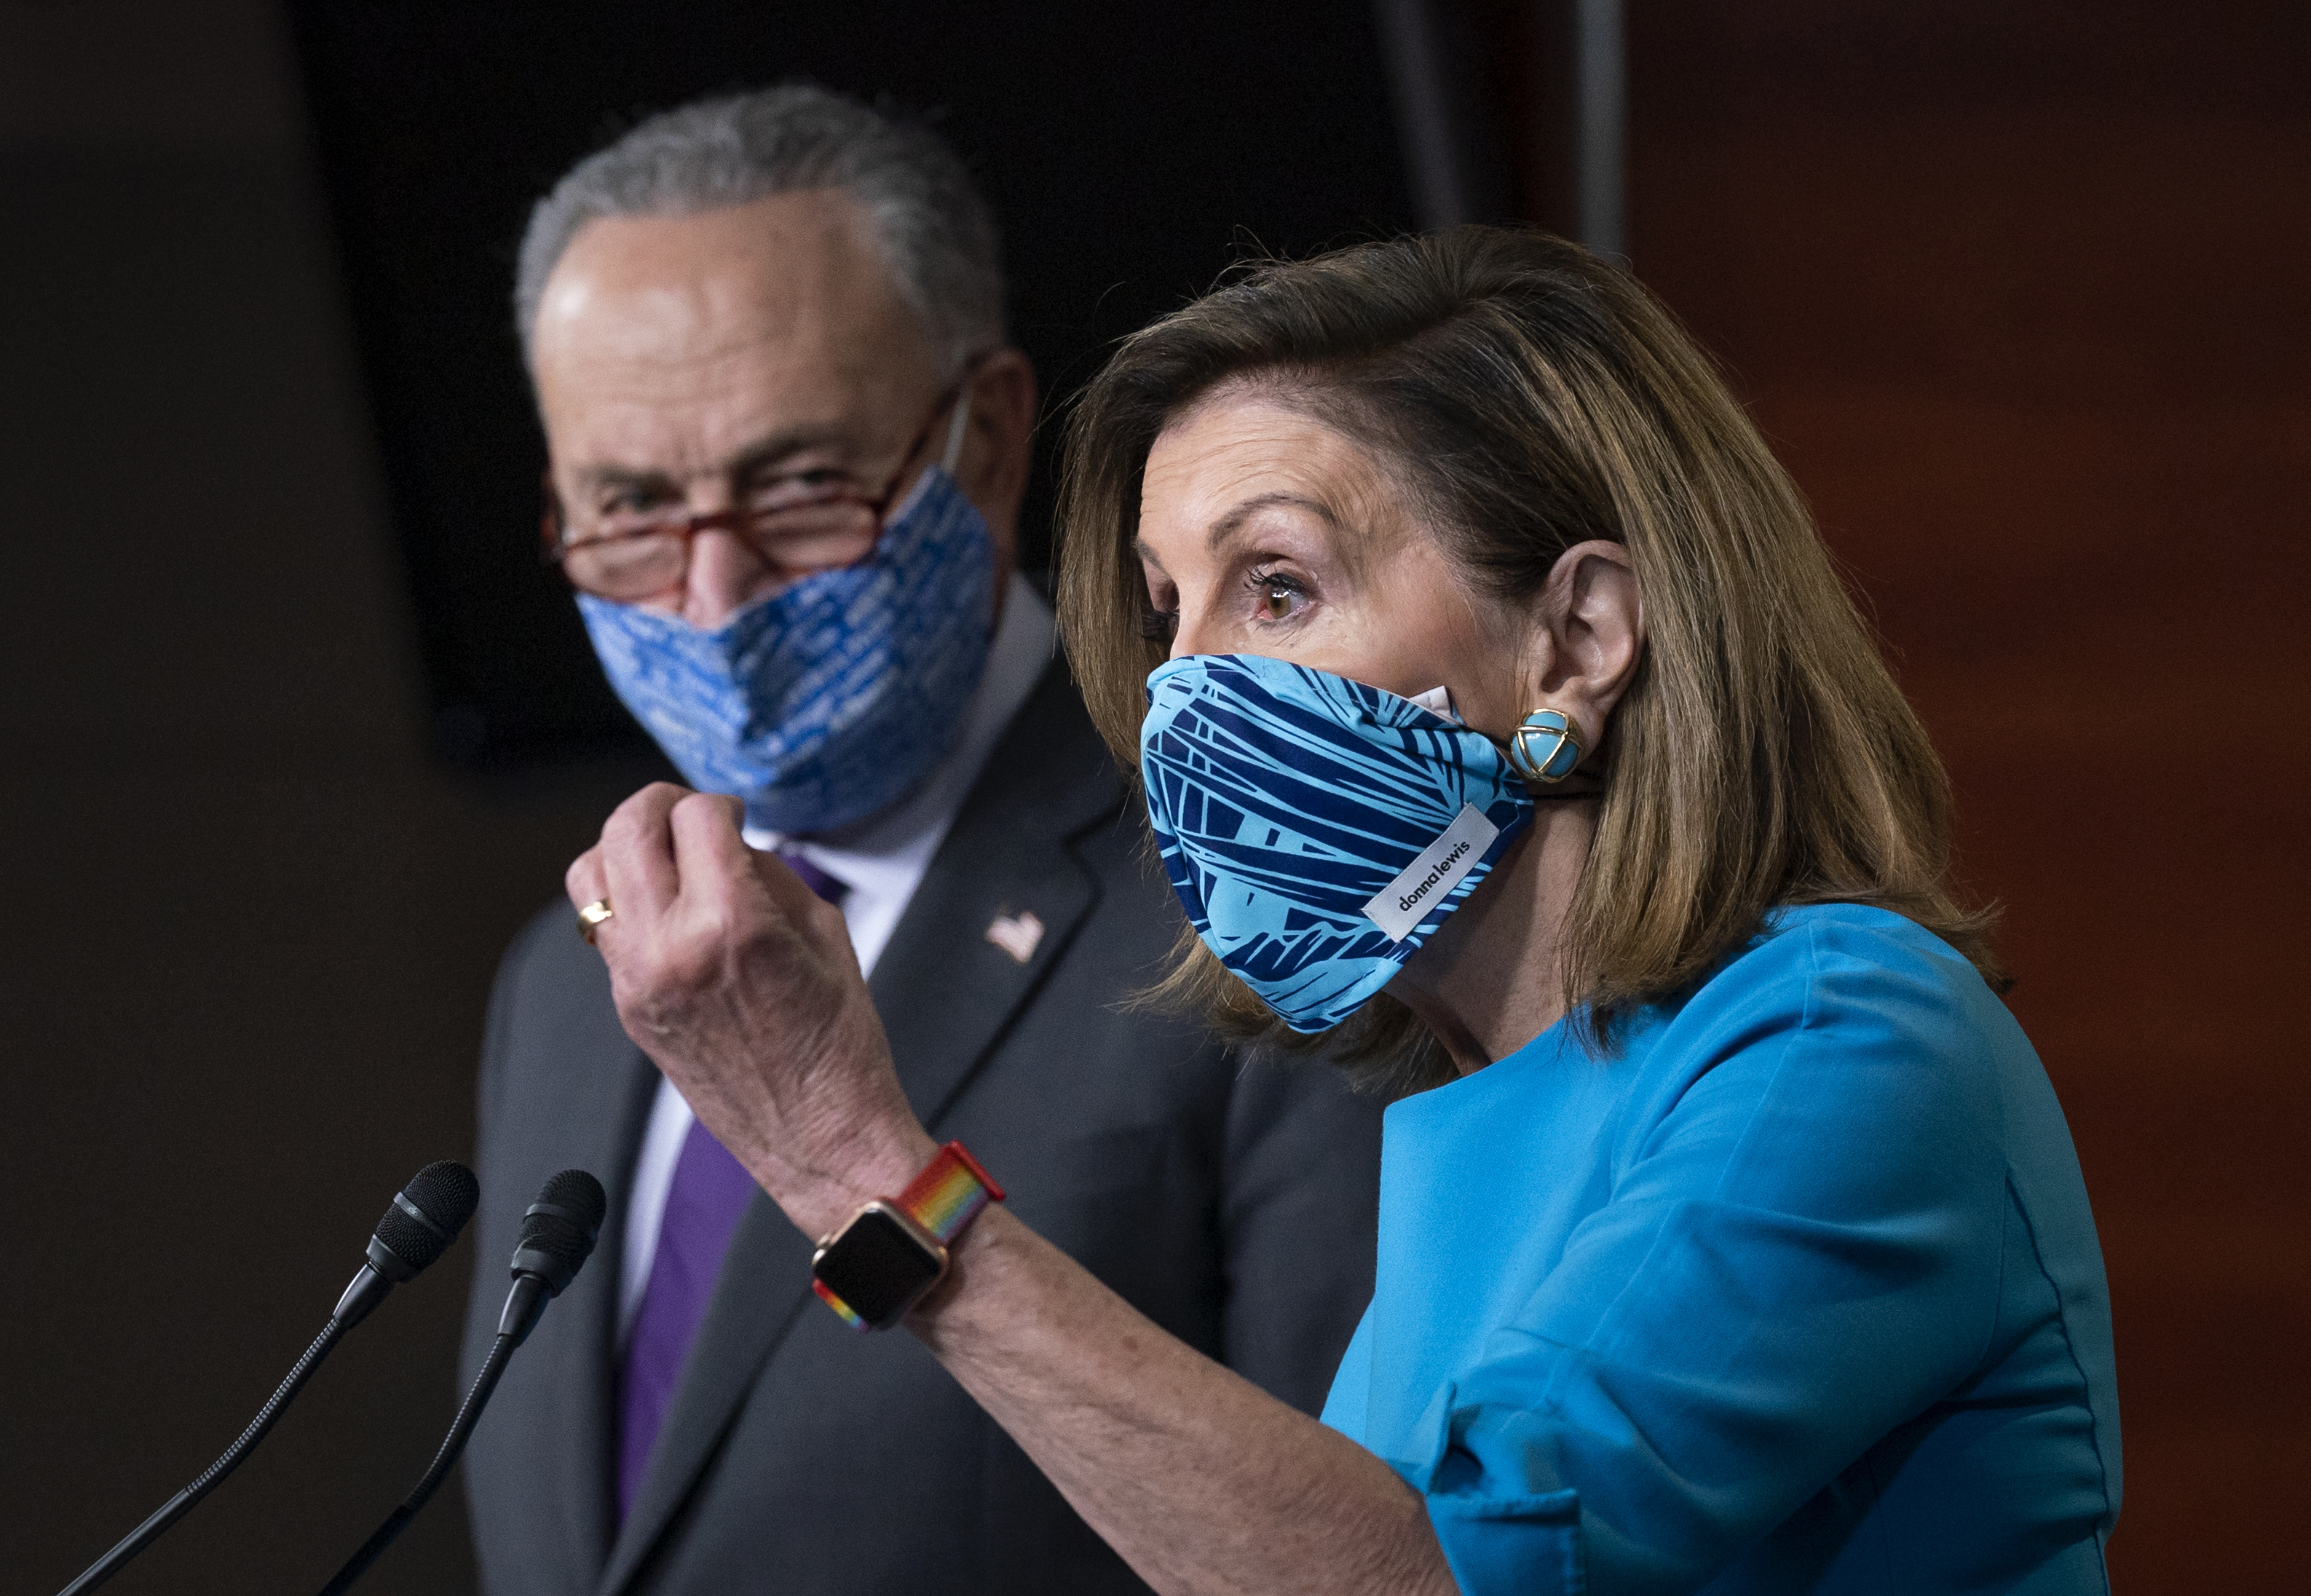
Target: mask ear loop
954,431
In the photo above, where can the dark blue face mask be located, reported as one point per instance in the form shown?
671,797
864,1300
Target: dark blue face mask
1317,831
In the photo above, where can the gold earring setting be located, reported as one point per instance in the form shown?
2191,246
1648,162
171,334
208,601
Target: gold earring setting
1545,747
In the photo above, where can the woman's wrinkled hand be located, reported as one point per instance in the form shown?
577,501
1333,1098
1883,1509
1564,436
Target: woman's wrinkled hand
740,984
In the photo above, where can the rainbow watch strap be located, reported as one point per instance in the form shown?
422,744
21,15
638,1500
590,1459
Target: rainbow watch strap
949,1193
945,1197
838,1304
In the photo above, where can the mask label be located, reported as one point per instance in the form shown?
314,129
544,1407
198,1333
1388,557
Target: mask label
1404,902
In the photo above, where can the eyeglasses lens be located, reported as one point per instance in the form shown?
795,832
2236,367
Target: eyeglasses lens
632,559
627,567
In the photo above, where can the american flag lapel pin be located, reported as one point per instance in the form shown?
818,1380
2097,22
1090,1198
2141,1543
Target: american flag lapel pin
1017,935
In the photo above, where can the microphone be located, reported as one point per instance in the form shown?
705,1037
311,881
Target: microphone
558,1232
419,1225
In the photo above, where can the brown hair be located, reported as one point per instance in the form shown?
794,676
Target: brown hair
1528,398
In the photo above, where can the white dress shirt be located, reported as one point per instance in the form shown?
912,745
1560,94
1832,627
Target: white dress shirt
880,860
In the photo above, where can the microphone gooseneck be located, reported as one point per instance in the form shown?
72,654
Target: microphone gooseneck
418,1227
558,1233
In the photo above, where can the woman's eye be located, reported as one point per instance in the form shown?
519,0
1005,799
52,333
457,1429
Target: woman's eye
1158,625
1278,597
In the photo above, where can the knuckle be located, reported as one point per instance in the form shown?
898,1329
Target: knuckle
689,969
634,814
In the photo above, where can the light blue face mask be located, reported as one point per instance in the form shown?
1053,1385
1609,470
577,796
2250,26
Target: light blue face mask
825,702
1317,831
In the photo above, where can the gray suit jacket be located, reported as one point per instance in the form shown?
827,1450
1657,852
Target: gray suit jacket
1235,1207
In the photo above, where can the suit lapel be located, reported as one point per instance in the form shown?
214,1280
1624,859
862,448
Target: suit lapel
947,994
945,991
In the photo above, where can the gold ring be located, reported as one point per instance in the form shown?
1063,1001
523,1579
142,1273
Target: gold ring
590,917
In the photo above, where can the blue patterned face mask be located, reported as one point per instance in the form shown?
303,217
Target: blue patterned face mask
824,701
1317,831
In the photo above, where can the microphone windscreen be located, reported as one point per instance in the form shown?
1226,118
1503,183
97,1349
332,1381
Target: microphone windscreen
443,1196
563,1222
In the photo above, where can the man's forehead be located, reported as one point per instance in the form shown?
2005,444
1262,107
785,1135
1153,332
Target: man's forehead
672,345
796,268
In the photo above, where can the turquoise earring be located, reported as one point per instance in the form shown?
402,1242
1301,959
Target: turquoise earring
1545,747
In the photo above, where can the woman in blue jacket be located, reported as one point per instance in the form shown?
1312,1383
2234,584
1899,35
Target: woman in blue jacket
1509,737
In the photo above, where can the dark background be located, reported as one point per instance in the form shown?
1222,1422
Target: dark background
1132,151
2019,290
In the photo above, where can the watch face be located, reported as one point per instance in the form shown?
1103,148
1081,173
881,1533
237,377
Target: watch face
877,1267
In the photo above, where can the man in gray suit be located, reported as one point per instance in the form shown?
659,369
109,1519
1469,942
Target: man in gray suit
789,446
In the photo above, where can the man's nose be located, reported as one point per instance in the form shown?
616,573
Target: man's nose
726,575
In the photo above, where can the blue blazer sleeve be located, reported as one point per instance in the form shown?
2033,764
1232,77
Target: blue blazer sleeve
1800,1249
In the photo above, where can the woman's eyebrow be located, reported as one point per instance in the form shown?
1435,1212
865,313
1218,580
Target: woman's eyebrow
1230,524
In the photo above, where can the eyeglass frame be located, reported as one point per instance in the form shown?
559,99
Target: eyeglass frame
740,521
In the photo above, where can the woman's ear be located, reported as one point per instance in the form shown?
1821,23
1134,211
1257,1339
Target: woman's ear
1592,624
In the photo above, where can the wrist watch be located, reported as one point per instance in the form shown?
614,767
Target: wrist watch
894,1249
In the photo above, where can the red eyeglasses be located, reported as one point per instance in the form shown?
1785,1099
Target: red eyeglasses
796,524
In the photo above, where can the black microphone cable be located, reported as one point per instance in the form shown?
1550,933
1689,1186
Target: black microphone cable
558,1233
419,1225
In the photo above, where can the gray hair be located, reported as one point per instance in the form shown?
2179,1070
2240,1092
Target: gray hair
932,228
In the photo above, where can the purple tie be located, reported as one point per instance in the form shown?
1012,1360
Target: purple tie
710,1192
825,886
